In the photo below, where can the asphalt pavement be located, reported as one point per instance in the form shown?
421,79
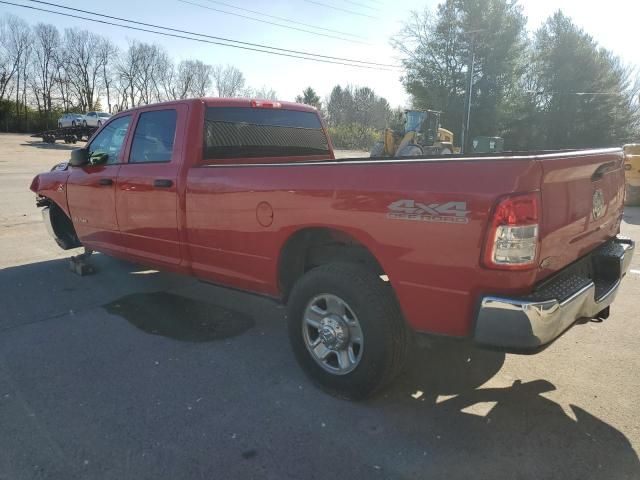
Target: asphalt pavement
137,374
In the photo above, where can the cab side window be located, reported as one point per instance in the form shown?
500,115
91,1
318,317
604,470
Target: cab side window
110,140
154,137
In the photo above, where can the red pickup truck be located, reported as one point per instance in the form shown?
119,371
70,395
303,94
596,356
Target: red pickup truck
508,251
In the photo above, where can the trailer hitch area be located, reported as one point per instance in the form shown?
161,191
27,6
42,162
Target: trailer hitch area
81,264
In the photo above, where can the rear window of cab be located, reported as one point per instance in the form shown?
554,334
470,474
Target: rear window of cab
240,132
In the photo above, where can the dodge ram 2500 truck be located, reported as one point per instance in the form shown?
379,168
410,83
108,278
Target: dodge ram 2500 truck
506,250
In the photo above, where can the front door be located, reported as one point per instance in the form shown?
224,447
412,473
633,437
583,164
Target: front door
91,188
146,195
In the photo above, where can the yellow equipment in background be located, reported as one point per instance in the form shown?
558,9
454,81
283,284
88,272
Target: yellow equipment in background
632,173
422,135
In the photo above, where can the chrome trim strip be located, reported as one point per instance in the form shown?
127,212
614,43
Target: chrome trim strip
449,158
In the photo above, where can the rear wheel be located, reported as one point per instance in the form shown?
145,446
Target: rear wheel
346,329
410,151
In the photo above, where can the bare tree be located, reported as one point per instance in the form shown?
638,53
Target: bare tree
46,46
147,81
128,70
229,81
141,75
9,57
263,93
108,55
193,79
15,36
167,77
84,65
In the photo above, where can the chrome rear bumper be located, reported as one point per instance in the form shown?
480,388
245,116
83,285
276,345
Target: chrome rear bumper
582,290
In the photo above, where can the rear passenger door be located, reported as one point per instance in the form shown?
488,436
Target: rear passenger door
147,198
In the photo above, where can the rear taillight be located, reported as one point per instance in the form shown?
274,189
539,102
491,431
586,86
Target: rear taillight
512,239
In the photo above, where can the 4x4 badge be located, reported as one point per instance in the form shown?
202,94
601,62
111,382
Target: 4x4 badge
450,212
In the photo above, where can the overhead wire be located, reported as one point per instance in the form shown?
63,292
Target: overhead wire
363,5
284,19
272,23
218,40
352,12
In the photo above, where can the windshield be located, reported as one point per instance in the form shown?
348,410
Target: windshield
103,114
414,121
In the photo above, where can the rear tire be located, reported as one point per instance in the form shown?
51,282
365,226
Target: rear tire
410,151
369,309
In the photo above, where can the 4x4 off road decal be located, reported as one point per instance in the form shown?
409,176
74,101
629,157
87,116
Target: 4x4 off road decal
450,212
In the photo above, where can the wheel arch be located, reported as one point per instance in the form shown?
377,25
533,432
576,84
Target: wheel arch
312,246
58,223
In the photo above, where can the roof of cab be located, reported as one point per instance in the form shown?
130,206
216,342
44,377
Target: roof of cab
246,102
231,102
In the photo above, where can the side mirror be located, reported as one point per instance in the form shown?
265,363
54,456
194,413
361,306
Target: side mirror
79,157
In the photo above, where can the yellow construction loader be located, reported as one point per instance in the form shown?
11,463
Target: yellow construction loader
632,173
422,135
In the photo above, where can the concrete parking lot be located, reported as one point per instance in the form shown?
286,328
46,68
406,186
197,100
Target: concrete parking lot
137,374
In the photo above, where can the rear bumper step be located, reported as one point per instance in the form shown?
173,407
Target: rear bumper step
582,290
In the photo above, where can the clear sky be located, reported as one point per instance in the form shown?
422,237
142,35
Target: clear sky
614,23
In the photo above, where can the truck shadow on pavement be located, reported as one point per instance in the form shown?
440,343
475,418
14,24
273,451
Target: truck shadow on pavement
436,421
510,431
180,318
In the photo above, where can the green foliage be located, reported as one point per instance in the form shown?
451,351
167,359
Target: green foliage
29,119
584,95
558,89
437,51
309,97
357,105
354,136
357,117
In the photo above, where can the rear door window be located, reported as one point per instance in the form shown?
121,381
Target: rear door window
240,132
154,137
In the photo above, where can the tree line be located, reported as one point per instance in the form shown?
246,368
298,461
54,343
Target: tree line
355,115
44,72
553,88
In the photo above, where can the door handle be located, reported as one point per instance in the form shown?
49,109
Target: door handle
162,183
105,181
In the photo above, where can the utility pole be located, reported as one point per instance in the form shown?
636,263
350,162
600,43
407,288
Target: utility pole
464,140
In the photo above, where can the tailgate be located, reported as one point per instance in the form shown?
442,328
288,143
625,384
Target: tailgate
582,201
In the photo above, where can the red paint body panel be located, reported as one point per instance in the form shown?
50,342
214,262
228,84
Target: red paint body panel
93,206
207,223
